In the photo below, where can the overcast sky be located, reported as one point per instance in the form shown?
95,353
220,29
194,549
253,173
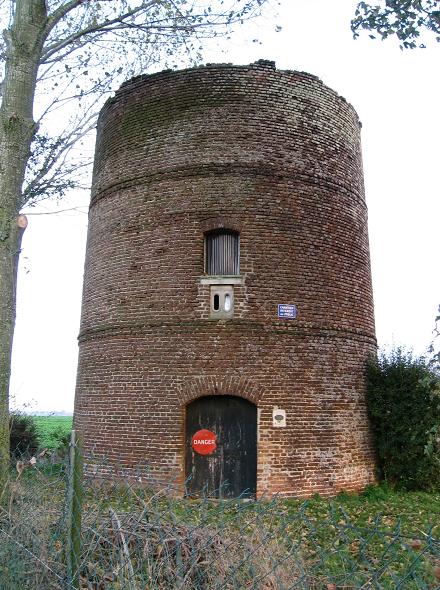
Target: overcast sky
397,96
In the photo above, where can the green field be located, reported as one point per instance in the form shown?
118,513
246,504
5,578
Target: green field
52,428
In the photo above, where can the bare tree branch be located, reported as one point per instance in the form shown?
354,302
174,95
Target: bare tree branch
71,39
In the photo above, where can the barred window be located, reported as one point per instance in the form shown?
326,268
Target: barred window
222,252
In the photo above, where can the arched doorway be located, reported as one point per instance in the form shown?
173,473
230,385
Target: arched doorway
221,447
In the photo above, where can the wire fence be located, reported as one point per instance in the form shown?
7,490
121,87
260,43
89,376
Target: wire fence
64,529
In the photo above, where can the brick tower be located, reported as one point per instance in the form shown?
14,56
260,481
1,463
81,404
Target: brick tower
227,307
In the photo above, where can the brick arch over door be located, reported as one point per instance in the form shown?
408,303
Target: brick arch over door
213,385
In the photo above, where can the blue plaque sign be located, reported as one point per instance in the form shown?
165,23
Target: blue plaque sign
287,311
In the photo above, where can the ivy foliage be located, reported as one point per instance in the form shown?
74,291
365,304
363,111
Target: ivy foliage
403,398
24,437
405,19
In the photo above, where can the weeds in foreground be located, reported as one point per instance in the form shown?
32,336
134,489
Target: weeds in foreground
136,538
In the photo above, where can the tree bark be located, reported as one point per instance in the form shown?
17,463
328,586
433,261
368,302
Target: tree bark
24,41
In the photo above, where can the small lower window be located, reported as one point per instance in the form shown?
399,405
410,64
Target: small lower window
222,301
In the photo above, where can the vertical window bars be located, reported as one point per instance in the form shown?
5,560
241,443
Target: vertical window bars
222,252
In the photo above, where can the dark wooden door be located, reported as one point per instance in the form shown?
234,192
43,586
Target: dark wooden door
230,470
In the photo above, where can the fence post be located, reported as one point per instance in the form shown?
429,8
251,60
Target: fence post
74,512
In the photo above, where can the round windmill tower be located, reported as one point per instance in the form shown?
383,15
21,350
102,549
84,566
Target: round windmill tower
227,307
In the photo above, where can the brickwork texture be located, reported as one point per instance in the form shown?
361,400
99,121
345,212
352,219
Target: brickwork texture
274,155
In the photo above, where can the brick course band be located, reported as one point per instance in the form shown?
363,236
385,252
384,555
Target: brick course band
229,169
274,155
242,326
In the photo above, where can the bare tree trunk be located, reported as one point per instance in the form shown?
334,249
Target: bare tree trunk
17,128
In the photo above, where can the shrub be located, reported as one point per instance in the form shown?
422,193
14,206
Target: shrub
23,434
59,440
403,398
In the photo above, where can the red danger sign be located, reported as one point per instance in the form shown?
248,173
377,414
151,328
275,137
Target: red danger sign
204,442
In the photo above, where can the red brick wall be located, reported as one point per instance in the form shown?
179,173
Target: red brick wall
275,155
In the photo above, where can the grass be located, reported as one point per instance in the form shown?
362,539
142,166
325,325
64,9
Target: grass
414,512
52,428
382,539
